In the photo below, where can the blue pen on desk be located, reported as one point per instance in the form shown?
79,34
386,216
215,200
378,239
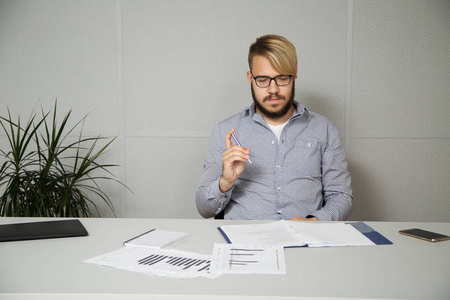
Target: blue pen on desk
239,144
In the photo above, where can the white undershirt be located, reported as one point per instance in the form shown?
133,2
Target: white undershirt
277,129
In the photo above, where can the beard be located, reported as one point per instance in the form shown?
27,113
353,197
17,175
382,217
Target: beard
274,114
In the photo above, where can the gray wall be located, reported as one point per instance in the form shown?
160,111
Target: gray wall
160,74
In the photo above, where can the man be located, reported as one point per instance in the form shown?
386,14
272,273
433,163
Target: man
291,164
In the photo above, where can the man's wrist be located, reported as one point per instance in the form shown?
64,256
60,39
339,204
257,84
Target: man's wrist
224,186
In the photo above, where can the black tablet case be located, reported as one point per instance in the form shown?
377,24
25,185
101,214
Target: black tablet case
41,230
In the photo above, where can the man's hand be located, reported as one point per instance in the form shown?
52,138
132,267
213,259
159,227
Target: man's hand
303,219
233,159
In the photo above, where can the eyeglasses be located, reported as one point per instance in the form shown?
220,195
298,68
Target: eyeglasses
265,81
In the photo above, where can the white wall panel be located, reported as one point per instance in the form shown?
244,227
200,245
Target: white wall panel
401,179
163,174
63,50
185,62
401,69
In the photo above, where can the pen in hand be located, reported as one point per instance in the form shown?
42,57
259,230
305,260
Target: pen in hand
239,144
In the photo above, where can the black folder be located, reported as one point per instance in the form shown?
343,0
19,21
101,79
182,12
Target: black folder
41,230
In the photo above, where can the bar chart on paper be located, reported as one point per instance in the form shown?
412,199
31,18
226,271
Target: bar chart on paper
175,262
160,262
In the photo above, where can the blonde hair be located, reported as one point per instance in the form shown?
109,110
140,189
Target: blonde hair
278,50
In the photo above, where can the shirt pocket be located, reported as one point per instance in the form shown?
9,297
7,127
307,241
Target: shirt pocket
304,158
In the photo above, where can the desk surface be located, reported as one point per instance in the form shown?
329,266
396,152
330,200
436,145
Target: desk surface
54,268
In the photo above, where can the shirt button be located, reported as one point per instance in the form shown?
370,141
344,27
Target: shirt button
279,188
273,142
279,211
278,166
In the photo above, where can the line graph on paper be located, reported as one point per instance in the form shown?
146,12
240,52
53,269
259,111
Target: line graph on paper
248,259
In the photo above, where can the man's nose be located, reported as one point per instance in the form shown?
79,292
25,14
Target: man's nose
273,87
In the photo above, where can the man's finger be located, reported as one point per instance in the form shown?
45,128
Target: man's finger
228,138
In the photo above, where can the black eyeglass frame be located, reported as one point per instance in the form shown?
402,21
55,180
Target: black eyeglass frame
271,78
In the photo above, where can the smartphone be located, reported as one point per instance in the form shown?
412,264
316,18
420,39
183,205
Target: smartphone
425,235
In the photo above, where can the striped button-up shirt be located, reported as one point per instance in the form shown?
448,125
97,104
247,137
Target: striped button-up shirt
304,173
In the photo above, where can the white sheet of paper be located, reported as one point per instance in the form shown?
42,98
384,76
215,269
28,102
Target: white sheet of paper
273,233
248,259
157,239
293,233
160,262
327,234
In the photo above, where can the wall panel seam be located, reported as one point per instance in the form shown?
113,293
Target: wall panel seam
120,89
348,78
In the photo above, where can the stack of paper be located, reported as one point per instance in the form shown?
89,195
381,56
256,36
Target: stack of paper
274,233
327,234
296,234
253,248
146,253
159,262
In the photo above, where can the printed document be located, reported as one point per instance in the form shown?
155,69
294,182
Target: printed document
296,234
274,233
248,259
336,234
159,262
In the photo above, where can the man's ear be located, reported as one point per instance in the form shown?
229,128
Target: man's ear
249,77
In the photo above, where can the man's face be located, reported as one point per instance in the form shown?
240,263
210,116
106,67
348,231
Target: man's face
273,102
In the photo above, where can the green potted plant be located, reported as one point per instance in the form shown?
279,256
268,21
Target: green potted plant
43,174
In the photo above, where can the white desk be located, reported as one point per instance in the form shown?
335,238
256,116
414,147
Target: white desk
54,268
